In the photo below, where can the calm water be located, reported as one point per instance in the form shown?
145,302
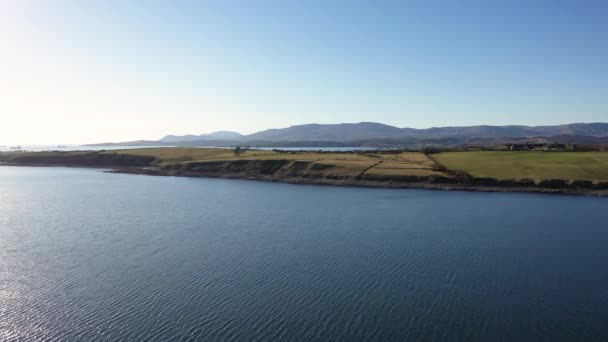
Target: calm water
90,256
39,148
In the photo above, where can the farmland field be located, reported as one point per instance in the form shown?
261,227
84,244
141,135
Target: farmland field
532,165
333,164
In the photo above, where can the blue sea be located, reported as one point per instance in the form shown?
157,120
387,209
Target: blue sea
93,256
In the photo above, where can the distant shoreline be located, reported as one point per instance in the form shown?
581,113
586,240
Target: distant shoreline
477,171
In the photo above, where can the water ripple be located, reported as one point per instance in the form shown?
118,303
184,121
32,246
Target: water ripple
89,256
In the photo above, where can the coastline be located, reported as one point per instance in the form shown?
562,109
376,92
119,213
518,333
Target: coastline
376,169
346,182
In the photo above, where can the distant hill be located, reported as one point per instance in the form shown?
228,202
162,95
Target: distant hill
580,129
338,132
220,135
370,130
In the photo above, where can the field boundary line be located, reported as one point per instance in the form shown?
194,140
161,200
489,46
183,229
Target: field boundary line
367,168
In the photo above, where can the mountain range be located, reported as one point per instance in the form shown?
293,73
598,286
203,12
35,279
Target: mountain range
220,135
349,132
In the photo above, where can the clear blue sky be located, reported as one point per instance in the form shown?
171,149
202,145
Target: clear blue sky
90,71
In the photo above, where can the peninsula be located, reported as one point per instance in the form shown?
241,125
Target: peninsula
566,172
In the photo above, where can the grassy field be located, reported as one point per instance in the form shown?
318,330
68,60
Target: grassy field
171,155
532,165
330,164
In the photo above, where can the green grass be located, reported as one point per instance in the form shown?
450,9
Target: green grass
532,165
172,155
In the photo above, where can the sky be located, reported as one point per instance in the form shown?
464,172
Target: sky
87,71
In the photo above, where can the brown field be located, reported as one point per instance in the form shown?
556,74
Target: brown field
332,164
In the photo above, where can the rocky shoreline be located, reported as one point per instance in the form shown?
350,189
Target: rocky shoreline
353,182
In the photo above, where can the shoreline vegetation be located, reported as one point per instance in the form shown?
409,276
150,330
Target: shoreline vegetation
583,173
